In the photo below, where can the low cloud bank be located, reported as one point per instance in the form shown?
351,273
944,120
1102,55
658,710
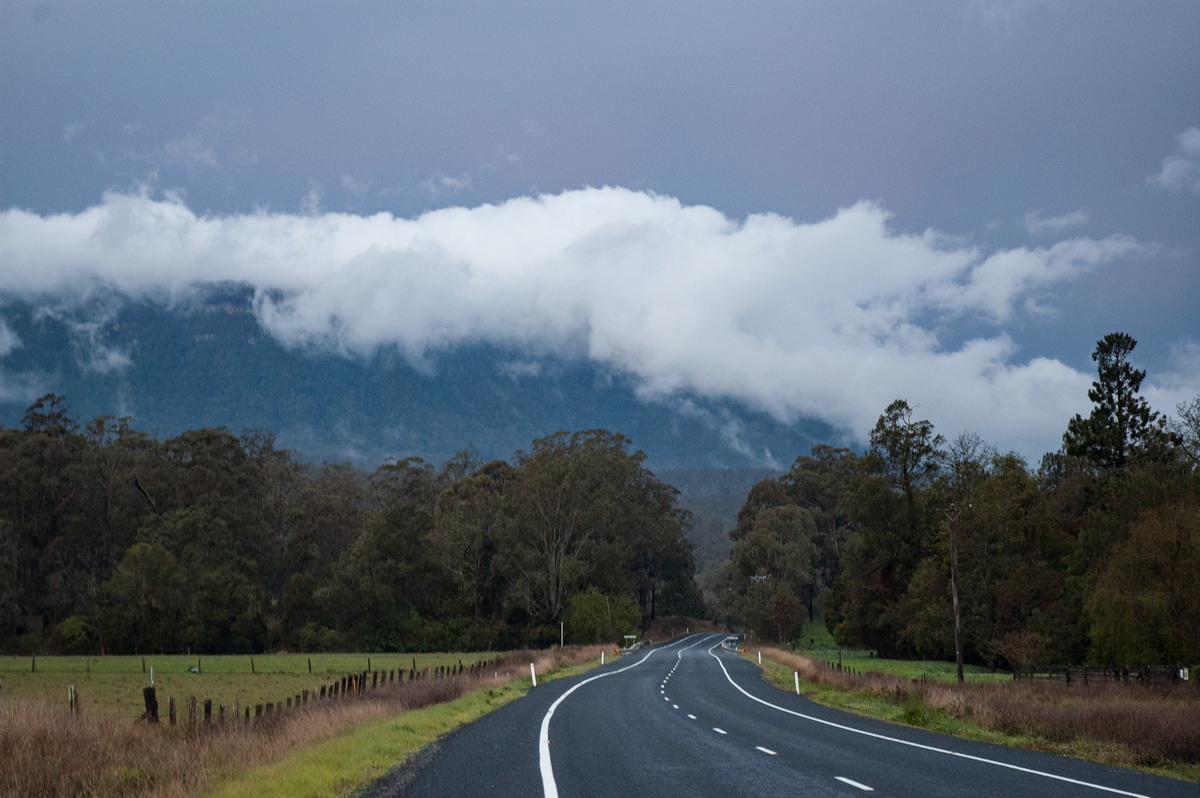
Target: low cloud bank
831,319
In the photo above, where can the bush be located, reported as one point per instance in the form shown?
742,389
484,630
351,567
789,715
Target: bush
75,635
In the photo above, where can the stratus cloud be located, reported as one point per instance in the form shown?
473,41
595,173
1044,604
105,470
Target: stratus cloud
831,319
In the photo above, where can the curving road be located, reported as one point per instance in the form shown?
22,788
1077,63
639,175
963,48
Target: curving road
688,718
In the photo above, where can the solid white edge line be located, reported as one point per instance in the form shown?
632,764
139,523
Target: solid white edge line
854,783
911,744
549,786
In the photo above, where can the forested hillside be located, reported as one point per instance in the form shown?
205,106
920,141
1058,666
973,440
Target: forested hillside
114,542
1091,556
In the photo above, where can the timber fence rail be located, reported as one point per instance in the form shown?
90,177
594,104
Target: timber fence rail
1100,674
206,714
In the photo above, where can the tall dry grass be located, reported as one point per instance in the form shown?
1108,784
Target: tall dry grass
1158,724
45,752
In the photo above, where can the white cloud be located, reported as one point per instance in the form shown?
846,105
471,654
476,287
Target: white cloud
355,187
1036,224
1181,170
192,152
9,340
19,387
830,319
444,186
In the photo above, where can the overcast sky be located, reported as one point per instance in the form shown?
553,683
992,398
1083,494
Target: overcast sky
808,208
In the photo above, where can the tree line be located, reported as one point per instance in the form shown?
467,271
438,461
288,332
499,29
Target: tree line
112,541
1090,557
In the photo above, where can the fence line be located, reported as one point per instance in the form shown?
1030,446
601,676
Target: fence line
344,688
1095,674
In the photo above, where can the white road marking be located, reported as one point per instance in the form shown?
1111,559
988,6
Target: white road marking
854,783
675,705
766,750
690,715
549,785
719,731
923,747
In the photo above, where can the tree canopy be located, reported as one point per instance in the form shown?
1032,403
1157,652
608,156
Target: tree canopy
211,542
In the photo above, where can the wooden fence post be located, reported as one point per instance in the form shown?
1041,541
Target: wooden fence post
207,711
73,699
171,708
151,701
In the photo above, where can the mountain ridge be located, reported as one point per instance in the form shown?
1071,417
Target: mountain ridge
210,363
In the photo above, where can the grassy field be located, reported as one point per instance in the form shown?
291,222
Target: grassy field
113,685
815,642
323,749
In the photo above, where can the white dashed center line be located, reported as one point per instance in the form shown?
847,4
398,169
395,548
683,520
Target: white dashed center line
719,731
854,783
766,750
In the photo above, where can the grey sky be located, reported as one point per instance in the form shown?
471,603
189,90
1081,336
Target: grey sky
1003,127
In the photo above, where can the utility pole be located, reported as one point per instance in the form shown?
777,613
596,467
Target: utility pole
952,517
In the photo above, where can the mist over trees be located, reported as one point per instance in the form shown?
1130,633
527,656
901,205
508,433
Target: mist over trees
113,542
1089,557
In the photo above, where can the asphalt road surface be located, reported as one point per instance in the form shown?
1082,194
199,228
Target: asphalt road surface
689,718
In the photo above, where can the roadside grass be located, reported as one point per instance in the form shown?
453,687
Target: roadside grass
113,685
815,642
366,752
47,752
1154,730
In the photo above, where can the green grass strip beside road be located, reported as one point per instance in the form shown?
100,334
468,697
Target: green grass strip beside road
914,712
364,754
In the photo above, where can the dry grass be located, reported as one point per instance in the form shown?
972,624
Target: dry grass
1158,725
47,753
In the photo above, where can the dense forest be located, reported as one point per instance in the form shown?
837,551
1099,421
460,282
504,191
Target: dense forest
114,542
1092,557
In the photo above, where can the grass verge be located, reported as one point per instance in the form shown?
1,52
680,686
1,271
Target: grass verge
1153,730
50,753
366,752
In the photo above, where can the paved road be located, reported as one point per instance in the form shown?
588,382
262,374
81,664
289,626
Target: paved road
690,719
